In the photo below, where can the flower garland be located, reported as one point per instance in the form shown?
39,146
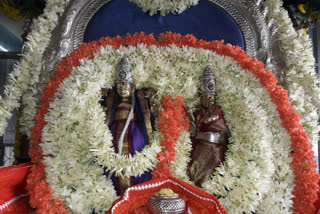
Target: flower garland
18,83
36,183
302,82
302,164
301,79
280,143
282,182
100,145
171,122
164,6
26,73
40,36
179,167
177,74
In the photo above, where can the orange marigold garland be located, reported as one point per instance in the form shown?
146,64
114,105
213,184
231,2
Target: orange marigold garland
171,122
303,165
38,189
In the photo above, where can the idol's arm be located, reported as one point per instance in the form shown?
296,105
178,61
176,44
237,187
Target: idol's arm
151,96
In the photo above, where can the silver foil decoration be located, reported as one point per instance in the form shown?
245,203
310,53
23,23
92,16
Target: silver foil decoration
208,82
124,71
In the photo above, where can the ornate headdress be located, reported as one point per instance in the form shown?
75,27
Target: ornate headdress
124,70
208,82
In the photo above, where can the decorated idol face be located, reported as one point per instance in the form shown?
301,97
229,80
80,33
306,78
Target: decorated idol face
207,101
124,89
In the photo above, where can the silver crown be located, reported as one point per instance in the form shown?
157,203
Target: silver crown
208,82
124,70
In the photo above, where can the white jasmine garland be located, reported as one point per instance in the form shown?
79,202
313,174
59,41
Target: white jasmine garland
25,77
296,49
76,121
302,82
164,6
26,72
253,101
75,174
278,198
182,158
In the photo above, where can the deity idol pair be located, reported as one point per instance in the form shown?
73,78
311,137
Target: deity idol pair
131,122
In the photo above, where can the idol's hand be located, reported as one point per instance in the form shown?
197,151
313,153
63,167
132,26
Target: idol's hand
151,95
193,127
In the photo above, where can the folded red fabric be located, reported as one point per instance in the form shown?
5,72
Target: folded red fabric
13,194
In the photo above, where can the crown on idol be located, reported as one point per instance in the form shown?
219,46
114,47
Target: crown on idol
208,82
124,70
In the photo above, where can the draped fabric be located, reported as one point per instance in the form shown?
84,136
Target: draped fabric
206,156
136,136
197,200
13,194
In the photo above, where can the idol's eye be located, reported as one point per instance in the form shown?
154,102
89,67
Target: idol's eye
210,97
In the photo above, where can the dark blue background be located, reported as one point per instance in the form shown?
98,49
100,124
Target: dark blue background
206,21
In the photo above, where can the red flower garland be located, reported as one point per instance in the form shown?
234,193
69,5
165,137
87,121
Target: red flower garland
38,189
303,165
171,122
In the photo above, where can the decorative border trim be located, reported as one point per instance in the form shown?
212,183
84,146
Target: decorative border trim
236,13
86,13
126,196
11,201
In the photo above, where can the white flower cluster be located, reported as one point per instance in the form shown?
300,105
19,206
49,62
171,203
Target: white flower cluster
301,78
71,168
302,81
164,6
26,74
183,149
255,175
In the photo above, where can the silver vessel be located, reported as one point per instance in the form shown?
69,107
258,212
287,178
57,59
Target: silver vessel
166,205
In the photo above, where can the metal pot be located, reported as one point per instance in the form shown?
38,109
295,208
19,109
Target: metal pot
166,205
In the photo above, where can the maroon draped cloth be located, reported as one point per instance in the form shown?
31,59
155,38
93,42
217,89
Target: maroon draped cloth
205,155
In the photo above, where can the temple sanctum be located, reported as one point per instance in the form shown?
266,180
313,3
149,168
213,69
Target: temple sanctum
159,107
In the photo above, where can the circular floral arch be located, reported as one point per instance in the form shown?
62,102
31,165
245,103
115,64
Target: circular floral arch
257,166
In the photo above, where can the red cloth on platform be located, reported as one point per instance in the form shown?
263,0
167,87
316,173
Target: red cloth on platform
135,198
13,194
